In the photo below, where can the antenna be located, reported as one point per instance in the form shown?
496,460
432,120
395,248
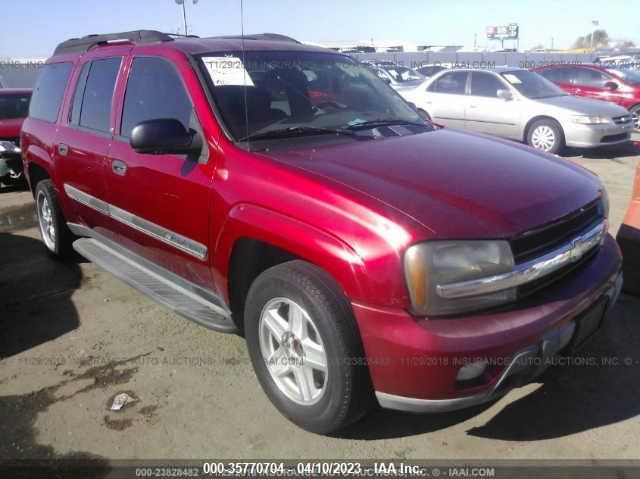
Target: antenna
184,14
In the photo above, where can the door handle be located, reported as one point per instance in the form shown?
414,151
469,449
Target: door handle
63,149
119,167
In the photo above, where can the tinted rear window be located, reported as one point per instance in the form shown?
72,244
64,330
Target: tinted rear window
14,106
98,93
49,90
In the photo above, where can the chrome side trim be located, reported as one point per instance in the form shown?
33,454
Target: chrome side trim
154,230
566,254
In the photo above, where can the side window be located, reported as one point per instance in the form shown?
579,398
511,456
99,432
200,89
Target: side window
79,93
485,84
591,78
452,83
98,92
154,91
49,90
14,106
559,74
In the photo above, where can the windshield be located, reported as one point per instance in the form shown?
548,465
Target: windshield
532,85
630,76
299,91
14,106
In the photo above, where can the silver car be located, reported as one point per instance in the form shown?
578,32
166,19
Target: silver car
521,105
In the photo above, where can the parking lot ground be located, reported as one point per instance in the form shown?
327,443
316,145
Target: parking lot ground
73,336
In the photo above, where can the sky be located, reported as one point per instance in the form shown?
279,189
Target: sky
32,28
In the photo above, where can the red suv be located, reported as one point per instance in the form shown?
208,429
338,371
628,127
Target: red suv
365,254
616,85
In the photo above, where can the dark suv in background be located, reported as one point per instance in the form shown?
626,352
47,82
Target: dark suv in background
284,192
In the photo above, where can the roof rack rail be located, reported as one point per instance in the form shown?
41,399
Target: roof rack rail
261,36
84,44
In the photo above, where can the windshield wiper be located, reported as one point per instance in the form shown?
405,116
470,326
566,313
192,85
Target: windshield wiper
294,131
384,122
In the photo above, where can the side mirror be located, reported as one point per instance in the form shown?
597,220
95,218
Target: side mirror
165,135
506,95
611,85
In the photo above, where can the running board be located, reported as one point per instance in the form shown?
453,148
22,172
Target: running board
157,283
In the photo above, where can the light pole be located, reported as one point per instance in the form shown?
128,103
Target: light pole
183,3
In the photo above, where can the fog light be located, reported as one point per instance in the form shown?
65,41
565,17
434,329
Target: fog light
472,370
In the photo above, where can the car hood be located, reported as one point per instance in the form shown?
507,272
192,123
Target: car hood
457,185
10,128
584,106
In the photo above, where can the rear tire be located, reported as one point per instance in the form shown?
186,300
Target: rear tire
546,135
305,347
54,231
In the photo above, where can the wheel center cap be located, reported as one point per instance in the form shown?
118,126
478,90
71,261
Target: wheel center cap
292,345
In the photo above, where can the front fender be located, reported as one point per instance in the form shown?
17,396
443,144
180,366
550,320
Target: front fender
305,241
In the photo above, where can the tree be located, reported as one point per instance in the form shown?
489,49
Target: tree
600,40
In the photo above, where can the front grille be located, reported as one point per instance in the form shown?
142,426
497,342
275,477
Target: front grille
619,137
535,243
540,283
622,120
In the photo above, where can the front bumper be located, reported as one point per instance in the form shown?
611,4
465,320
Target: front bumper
10,164
414,362
590,136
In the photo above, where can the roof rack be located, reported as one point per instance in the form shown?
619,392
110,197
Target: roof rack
87,42
261,36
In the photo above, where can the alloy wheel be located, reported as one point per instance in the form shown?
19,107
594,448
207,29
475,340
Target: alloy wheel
293,351
46,221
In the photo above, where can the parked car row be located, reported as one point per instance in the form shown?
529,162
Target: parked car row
521,105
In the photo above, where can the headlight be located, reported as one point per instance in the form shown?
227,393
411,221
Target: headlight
428,265
591,120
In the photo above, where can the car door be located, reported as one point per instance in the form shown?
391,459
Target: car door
445,99
590,83
85,137
596,84
161,201
563,76
488,113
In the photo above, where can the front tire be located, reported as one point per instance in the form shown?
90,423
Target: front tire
546,135
53,228
305,347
